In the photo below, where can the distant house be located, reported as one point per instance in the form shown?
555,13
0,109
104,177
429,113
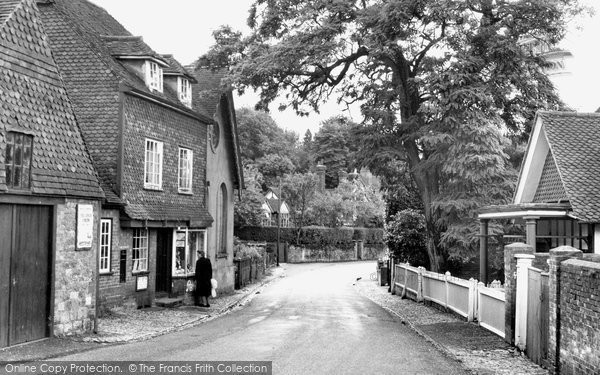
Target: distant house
148,145
557,192
271,206
223,167
49,191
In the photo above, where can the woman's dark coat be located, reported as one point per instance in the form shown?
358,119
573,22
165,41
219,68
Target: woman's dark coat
203,276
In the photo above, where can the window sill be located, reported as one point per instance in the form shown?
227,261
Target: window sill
149,188
185,192
107,273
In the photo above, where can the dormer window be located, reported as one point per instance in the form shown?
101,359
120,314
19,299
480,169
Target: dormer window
184,89
154,76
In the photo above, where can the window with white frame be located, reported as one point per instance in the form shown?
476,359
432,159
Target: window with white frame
184,88
105,244
153,165
154,76
139,249
187,243
186,158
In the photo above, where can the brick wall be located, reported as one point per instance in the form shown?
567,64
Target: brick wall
113,292
74,273
148,120
579,337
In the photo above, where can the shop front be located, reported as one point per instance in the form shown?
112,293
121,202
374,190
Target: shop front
177,252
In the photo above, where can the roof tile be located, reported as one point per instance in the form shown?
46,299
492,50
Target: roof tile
574,140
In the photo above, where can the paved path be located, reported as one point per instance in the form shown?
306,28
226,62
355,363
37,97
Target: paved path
312,321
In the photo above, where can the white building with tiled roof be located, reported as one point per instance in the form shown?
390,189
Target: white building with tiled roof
557,195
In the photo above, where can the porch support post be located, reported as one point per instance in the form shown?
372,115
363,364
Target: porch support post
531,231
483,250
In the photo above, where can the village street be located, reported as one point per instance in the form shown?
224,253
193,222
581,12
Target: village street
311,321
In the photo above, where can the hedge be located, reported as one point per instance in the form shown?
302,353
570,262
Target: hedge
313,237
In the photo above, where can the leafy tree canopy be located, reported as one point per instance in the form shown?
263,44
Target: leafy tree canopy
334,146
440,82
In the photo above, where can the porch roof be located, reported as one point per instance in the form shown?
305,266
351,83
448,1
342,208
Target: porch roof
513,211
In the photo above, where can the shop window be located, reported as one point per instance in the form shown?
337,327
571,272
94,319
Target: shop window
140,250
19,150
185,170
105,244
187,243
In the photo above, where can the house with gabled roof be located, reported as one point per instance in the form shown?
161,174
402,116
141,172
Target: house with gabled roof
274,208
149,147
50,196
556,197
224,173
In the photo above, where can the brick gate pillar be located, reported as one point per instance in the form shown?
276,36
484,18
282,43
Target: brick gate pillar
557,256
510,286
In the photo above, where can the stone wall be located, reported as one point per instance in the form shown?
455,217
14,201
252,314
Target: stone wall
75,273
579,336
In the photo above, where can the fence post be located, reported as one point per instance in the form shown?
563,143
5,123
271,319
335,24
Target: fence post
405,280
393,275
524,261
479,304
420,284
446,277
472,307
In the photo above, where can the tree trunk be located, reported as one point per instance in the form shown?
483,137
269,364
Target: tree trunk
428,186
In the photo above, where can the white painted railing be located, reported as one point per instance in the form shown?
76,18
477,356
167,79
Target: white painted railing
491,306
465,297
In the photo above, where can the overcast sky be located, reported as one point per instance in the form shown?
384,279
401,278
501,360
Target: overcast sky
184,28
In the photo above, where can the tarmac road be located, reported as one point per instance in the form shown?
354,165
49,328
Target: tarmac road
310,322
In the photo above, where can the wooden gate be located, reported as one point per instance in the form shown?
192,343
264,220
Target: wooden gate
537,316
25,272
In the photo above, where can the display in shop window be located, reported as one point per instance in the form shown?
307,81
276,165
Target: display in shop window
187,243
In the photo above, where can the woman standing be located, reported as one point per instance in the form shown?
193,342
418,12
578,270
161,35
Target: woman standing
203,276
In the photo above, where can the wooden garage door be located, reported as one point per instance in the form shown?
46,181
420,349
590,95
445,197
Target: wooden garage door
25,250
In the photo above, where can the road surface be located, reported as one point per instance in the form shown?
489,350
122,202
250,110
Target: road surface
310,322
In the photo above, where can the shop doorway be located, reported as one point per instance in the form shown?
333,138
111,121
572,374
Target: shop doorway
164,248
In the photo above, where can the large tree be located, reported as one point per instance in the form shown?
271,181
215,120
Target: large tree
440,83
334,147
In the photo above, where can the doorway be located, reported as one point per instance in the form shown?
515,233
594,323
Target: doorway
25,272
164,250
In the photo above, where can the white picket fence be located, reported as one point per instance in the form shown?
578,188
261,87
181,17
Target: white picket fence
468,298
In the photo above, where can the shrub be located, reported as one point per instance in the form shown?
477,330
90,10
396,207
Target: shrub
405,237
314,237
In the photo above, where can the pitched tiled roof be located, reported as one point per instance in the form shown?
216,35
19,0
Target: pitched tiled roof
126,45
550,187
34,101
207,95
139,211
6,8
207,92
86,42
175,68
574,140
